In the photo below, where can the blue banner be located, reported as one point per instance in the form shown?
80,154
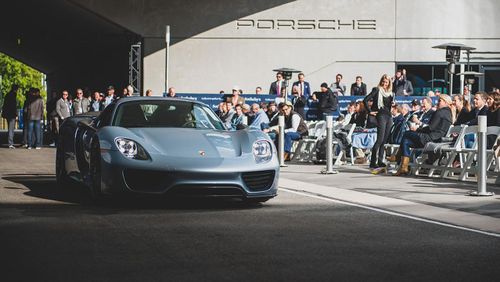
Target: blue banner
213,101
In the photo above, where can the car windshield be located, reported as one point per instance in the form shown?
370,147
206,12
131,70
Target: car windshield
166,113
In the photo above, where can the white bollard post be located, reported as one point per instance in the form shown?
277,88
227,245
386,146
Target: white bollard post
481,159
329,148
281,140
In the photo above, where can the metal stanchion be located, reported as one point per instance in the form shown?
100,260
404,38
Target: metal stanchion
329,147
481,159
281,140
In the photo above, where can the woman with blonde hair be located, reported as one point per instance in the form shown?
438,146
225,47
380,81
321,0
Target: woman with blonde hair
383,99
461,109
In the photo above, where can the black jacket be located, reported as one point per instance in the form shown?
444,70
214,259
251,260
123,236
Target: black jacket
494,118
327,101
9,109
400,85
358,90
475,112
273,89
463,117
386,109
438,127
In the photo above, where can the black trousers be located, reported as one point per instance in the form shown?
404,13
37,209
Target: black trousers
384,124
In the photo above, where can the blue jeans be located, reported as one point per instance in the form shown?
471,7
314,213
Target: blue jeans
289,138
34,124
410,140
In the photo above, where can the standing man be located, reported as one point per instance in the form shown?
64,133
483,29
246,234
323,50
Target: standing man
358,88
110,96
401,85
327,101
235,98
52,117
35,116
80,104
338,86
96,104
258,90
301,92
63,108
130,91
9,112
278,86
304,87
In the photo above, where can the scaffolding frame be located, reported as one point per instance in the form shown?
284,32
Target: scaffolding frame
135,67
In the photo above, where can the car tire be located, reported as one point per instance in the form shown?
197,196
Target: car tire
95,173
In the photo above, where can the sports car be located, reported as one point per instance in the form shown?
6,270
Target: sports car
155,145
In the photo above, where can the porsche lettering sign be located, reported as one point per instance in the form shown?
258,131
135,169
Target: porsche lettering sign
294,24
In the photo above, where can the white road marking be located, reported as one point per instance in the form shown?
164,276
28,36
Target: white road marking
329,199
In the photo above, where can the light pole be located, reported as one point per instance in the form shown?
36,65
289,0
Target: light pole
453,52
167,56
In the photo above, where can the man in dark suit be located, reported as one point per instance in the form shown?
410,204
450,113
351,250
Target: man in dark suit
303,86
278,86
301,92
401,85
358,88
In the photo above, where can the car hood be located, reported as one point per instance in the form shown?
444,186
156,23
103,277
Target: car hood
191,143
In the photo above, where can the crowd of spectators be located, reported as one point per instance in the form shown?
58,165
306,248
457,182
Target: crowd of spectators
58,107
410,125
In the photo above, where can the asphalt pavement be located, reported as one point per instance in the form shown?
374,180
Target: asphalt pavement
350,226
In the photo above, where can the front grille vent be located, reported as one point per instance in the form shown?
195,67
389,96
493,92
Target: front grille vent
259,180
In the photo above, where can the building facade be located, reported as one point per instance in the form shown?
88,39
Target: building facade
324,37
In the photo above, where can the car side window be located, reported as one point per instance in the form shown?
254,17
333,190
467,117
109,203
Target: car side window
104,118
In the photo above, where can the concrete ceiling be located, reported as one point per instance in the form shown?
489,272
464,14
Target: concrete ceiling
80,43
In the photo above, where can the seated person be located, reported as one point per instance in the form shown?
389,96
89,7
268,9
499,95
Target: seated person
438,127
371,120
462,110
260,119
400,123
425,115
237,119
295,128
359,116
346,117
272,110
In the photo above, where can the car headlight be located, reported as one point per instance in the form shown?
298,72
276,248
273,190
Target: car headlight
131,149
262,151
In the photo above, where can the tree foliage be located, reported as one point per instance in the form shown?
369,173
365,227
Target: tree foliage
16,72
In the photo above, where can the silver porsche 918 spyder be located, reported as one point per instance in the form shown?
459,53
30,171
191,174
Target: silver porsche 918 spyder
154,145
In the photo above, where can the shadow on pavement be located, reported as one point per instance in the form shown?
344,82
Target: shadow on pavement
44,187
